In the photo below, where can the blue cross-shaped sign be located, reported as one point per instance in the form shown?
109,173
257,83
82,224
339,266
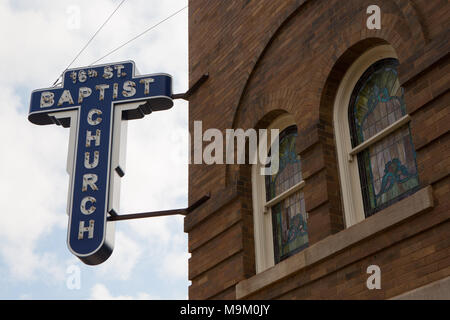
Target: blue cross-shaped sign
93,101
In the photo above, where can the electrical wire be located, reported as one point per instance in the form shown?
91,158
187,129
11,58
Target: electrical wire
139,35
89,41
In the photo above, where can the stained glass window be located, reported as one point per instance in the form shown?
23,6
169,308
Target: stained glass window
388,169
290,233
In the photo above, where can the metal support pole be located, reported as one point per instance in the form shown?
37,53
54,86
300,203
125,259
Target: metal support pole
191,90
161,213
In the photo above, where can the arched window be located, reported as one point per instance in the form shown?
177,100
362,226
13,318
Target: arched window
279,206
290,233
387,168
377,160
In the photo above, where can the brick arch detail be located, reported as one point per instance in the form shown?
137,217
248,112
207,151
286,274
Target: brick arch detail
316,135
265,109
404,32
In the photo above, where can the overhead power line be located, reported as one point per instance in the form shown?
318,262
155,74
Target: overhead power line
139,35
89,41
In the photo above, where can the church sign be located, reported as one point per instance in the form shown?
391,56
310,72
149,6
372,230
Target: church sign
96,102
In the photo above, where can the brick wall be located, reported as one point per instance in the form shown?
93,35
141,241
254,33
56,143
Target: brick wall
267,57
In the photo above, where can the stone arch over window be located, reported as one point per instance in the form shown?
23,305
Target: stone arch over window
376,155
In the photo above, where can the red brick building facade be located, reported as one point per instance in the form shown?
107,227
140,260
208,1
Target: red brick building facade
267,59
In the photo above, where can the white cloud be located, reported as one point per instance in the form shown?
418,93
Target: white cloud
40,45
175,266
28,189
25,264
33,181
100,292
124,258
156,168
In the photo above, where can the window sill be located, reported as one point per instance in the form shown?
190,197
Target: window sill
393,215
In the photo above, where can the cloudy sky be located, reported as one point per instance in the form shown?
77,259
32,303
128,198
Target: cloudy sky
39,39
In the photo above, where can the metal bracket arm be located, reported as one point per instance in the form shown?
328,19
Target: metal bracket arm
191,90
161,213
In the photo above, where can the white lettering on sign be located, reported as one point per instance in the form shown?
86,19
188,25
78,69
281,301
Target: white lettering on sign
83,229
65,97
84,207
119,68
89,179
108,72
129,89
90,137
87,206
146,83
73,76
90,118
87,160
87,163
92,73
82,76
115,90
47,99
83,92
101,88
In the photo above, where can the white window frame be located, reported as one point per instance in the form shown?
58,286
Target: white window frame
262,213
348,168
